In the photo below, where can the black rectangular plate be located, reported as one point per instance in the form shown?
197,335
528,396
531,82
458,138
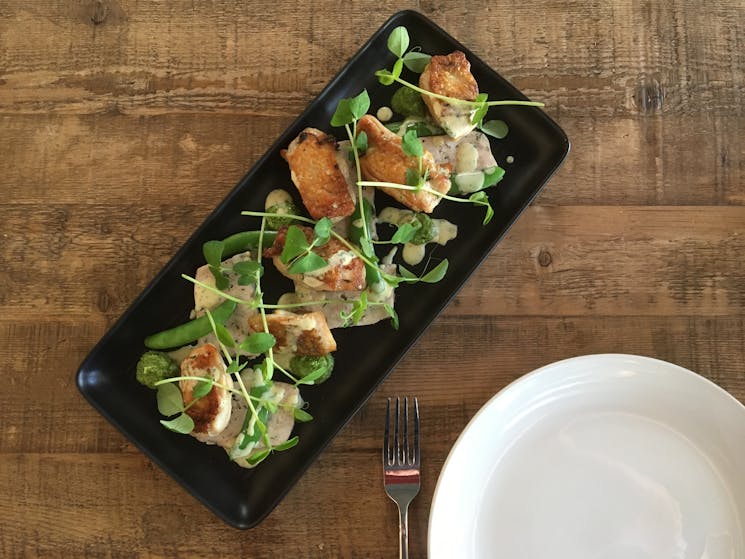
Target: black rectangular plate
366,355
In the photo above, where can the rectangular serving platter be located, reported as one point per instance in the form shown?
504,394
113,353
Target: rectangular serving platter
366,355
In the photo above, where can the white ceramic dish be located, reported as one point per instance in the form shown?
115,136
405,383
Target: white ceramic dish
597,457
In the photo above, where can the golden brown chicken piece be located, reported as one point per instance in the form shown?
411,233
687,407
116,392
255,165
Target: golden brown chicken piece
450,76
296,334
386,161
345,270
314,169
210,413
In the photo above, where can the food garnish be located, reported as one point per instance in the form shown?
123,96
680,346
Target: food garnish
215,374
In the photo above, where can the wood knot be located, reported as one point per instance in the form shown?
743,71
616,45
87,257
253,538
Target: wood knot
103,301
649,95
99,11
544,258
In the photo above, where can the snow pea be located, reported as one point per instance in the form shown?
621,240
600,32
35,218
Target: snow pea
246,240
190,331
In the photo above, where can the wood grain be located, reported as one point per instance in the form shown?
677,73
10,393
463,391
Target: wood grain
123,123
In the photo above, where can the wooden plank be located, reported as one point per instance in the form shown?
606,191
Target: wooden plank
170,158
123,123
481,355
141,58
556,261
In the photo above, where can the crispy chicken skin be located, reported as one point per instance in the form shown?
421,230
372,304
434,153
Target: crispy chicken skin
450,76
316,174
210,413
386,161
298,334
345,271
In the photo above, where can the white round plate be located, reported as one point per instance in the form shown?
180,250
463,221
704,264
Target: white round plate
597,457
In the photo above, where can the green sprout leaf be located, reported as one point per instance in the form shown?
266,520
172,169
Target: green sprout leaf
169,398
322,231
351,109
393,314
213,251
312,377
235,367
481,108
359,105
367,247
398,41
301,416
359,307
433,276
289,443
360,141
224,335
405,233
398,67
482,199
406,274
295,244
202,388
248,268
257,458
181,424
413,178
384,77
436,273
416,61
496,128
258,342
492,176
343,114
308,263
411,144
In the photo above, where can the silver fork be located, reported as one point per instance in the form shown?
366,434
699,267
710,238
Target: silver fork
401,467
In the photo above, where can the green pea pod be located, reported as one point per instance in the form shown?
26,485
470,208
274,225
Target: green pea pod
246,240
357,232
190,331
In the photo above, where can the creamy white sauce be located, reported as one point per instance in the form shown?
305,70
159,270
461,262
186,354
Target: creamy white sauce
412,254
384,114
466,158
446,231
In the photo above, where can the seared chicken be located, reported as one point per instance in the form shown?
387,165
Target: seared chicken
342,302
385,161
296,334
314,168
345,271
450,76
210,413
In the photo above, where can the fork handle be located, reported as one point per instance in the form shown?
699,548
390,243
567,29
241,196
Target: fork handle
403,531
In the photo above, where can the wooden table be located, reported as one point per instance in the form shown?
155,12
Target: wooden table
123,123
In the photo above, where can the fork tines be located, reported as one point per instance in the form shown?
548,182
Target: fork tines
398,451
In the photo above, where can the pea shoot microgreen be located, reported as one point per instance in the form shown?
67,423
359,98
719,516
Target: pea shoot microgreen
416,61
477,198
298,253
432,276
